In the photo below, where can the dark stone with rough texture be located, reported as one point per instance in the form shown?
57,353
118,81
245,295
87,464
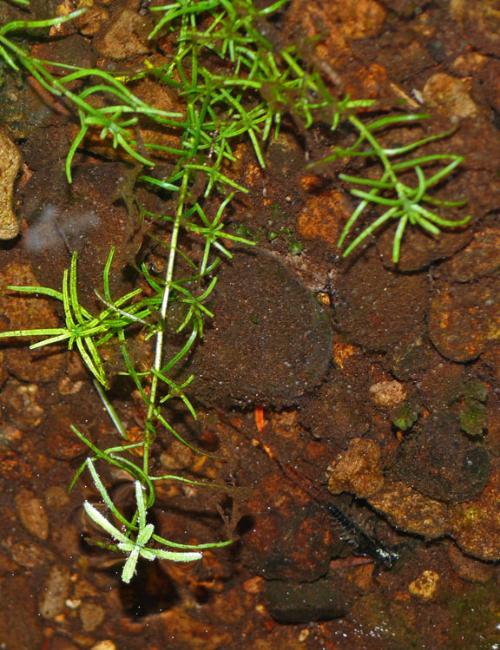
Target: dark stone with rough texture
377,308
290,602
270,340
442,463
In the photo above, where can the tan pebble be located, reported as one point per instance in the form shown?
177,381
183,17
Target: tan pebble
469,63
358,469
124,36
388,393
73,603
56,496
10,161
91,616
303,635
323,216
104,645
311,182
450,95
411,511
425,586
91,21
29,556
55,592
253,585
32,514
67,386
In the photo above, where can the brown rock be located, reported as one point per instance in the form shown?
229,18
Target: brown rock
10,162
22,405
323,216
179,456
480,22
463,319
437,460
28,312
32,514
411,359
162,98
411,511
10,436
335,24
490,79
323,599
61,442
27,555
66,50
479,258
19,624
124,36
357,470
92,20
419,249
91,616
60,643
388,393
285,529
3,369
6,565
475,525
283,336
335,411
450,96
373,307
369,82
55,591
425,586
56,497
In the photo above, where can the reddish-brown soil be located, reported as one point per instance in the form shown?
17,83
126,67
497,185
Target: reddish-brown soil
379,385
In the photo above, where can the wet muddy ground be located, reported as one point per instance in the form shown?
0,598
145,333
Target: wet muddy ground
322,382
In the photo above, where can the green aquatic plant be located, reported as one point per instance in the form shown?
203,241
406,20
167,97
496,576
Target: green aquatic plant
136,547
219,110
83,330
391,197
115,120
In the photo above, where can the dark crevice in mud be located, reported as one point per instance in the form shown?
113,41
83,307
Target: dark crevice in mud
150,592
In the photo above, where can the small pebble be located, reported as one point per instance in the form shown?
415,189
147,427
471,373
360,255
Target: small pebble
32,514
55,592
358,469
388,393
56,496
104,645
91,616
425,586
28,556
10,161
450,95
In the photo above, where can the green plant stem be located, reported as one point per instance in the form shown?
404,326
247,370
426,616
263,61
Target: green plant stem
160,335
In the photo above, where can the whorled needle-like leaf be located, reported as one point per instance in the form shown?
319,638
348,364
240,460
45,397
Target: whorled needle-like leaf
134,548
404,203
